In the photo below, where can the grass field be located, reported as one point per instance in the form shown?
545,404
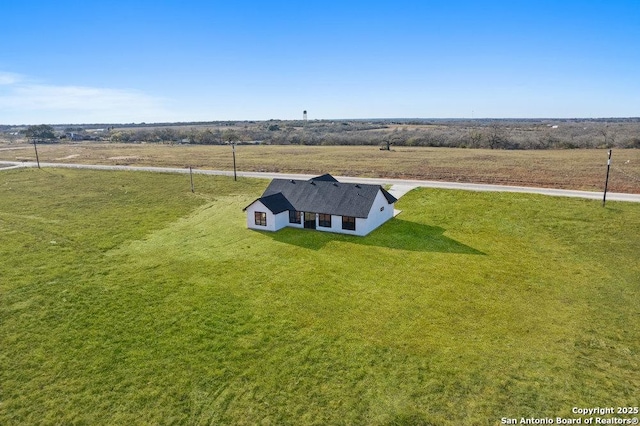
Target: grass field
566,169
126,299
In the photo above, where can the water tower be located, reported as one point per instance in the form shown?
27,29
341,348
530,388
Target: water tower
304,115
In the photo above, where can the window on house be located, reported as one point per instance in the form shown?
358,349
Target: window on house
294,216
349,223
261,218
324,220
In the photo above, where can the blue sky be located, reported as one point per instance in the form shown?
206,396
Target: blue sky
156,61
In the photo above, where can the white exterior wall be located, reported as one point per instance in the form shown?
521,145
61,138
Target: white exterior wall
281,220
336,226
259,207
376,217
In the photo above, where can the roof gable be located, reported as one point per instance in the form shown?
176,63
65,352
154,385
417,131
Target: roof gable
325,178
276,203
390,198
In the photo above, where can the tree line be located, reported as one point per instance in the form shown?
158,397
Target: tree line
492,134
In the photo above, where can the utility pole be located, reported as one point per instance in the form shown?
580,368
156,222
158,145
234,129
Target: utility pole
233,147
606,182
36,148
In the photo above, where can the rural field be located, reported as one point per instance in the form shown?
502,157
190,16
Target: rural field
582,169
127,299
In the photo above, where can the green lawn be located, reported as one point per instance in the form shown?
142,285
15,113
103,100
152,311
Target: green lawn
126,299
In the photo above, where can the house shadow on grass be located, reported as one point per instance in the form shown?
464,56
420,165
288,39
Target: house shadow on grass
395,234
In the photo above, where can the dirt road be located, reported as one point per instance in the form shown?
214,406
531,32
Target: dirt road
404,183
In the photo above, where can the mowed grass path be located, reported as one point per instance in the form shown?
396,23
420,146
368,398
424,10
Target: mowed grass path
126,299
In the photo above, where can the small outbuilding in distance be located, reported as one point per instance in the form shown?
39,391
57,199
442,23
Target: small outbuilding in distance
321,203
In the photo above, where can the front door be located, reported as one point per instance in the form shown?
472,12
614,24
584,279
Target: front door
310,220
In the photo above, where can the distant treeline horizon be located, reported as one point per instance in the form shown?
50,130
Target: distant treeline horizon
398,120
565,133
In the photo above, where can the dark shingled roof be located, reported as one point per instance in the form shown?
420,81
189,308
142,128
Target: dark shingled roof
326,177
277,203
323,194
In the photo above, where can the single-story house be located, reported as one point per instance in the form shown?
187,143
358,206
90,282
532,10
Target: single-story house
321,203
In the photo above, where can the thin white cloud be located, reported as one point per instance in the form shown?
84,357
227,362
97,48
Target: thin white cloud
8,78
26,102
73,97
